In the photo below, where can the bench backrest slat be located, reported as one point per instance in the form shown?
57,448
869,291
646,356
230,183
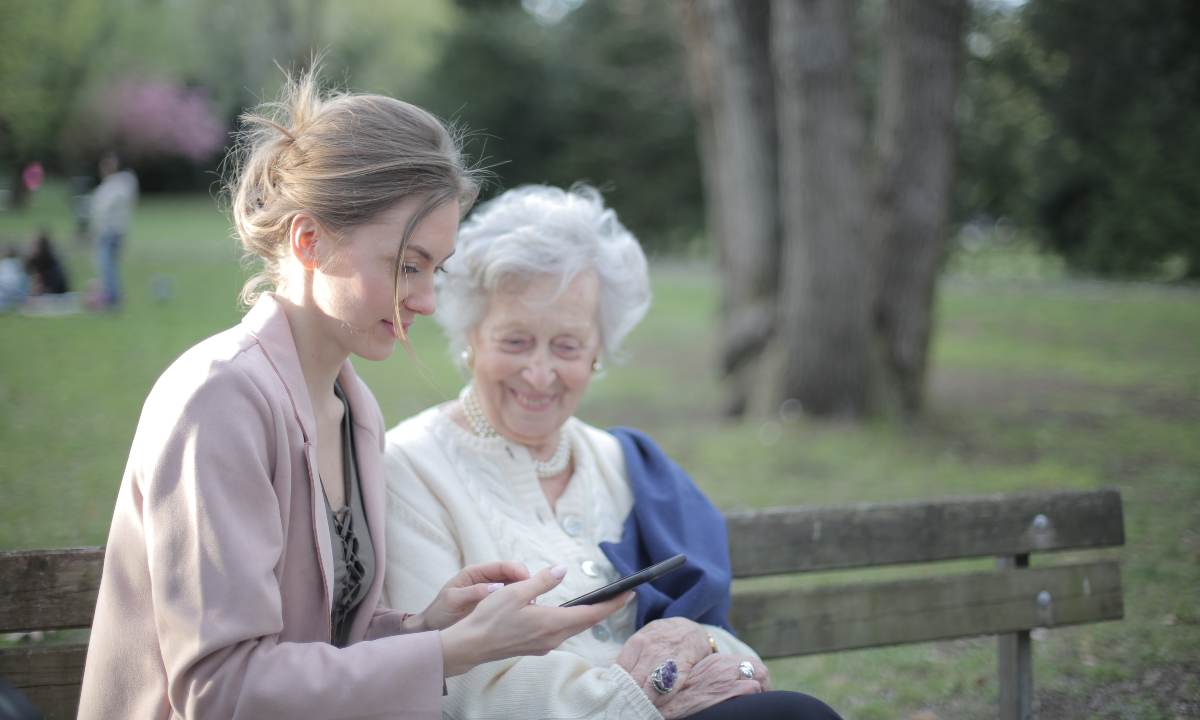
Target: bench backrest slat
49,589
50,677
42,590
804,539
807,621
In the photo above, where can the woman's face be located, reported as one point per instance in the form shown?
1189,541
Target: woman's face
533,355
354,289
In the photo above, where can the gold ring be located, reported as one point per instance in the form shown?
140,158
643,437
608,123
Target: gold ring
712,644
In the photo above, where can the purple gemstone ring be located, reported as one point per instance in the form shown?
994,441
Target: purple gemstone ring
662,678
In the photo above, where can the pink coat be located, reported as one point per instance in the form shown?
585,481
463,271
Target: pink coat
215,597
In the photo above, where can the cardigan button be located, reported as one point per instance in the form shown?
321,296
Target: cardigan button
600,633
572,525
590,568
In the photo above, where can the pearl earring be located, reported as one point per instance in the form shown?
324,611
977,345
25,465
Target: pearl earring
468,357
597,366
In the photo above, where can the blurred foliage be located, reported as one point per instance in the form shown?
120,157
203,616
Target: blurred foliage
563,92
1080,120
46,50
62,63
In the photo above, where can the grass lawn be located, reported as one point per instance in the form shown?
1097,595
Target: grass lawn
1035,384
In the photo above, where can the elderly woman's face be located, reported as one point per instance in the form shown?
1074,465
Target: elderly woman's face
534,354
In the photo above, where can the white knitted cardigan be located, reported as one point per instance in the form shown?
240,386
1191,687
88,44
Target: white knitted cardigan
455,499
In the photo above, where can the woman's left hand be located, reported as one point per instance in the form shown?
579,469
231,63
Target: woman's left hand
462,593
712,680
679,639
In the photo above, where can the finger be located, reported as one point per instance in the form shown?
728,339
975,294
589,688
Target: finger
500,571
574,620
591,614
628,657
542,582
465,598
656,653
761,674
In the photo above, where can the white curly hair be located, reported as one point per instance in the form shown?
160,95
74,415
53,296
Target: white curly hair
537,230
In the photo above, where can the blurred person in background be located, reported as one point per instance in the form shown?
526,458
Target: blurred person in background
545,286
109,215
14,283
47,276
245,561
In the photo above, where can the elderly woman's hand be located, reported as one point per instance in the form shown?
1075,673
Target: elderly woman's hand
710,681
678,639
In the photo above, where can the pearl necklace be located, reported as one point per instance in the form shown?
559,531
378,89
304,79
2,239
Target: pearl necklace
478,421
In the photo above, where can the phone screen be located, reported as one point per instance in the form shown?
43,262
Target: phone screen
628,582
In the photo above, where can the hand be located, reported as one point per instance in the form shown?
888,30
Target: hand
462,593
507,623
710,681
678,639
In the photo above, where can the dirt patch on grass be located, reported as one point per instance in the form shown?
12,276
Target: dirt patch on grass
1168,689
1017,419
951,388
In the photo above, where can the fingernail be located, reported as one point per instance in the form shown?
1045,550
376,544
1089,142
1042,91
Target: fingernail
559,571
493,587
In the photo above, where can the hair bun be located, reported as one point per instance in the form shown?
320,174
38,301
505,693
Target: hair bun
341,157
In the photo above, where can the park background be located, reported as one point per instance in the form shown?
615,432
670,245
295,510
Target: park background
1065,351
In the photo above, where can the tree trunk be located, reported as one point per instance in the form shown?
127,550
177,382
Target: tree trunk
915,144
730,74
825,333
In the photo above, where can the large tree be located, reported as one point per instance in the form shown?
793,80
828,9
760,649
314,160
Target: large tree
862,224
915,145
730,73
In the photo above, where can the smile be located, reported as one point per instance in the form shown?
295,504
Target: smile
534,403
391,327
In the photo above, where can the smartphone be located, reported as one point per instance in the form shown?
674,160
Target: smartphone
628,582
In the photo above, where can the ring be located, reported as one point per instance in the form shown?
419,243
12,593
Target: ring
746,669
662,678
712,644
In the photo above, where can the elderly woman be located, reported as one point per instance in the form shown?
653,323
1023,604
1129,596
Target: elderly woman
544,287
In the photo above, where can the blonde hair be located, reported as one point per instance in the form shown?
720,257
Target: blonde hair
342,158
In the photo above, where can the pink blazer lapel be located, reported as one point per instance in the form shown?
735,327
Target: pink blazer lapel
269,324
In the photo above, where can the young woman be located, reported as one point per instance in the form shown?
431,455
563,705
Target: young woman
245,560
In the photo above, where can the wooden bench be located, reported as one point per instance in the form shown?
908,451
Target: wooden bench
56,589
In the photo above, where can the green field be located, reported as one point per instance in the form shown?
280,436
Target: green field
1035,384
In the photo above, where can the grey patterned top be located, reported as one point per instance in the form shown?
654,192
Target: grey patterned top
353,553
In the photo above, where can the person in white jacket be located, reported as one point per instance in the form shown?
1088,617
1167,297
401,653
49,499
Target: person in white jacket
544,286
109,216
